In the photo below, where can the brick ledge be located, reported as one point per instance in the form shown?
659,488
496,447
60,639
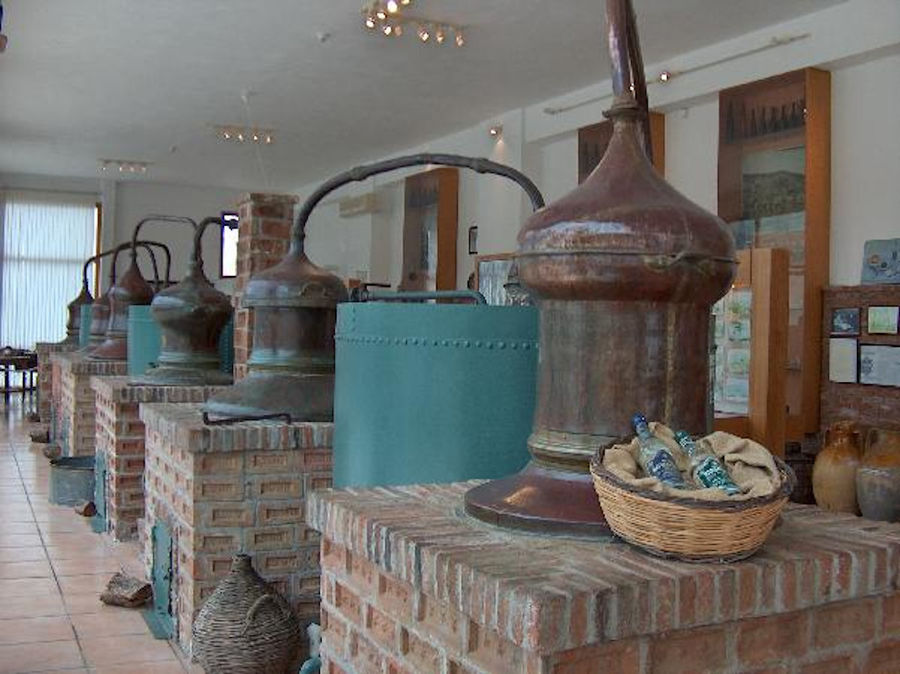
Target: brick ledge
550,594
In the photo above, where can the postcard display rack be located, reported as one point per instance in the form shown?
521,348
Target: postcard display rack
774,191
861,356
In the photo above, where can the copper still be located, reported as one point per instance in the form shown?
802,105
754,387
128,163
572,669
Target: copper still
99,308
191,315
130,289
291,363
624,270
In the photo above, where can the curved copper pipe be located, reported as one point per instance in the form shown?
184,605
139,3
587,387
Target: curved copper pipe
110,251
132,244
628,79
158,218
298,231
197,252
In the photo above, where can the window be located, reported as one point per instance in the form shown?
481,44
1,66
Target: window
228,266
45,239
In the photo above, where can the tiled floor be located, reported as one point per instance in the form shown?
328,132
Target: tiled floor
52,567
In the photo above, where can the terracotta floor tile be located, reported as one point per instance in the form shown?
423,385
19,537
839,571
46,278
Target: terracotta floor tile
87,602
23,587
25,569
76,552
31,606
18,527
30,630
22,554
83,583
85,538
90,566
126,649
142,668
19,540
108,624
51,655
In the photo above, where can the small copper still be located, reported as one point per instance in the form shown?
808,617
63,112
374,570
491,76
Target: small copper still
291,364
191,315
624,270
130,289
85,300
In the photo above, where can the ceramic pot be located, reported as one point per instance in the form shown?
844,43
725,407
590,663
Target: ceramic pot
246,627
834,473
878,476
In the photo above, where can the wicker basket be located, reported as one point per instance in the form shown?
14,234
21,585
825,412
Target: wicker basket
689,529
246,627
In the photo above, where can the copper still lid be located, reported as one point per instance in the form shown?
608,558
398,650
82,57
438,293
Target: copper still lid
191,316
130,290
624,270
291,364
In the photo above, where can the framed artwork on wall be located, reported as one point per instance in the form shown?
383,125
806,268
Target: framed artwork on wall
845,321
431,208
879,365
882,320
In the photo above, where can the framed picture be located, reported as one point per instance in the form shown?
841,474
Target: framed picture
845,321
879,365
473,240
881,261
842,362
883,320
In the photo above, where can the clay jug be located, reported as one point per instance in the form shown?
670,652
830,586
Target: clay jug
834,473
246,627
878,476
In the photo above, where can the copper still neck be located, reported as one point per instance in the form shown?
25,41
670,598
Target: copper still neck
624,270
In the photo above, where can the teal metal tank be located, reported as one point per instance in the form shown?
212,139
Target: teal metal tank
84,329
432,392
144,339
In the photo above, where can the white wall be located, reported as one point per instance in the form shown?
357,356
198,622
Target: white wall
865,162
137,199
858,40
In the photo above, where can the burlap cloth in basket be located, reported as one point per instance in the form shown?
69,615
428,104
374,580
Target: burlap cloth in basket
750,465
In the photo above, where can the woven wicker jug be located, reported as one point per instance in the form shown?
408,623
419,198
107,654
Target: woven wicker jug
246,627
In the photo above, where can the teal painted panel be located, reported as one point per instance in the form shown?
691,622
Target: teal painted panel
161,579
432,392
84,327
144,340
99,523
226,347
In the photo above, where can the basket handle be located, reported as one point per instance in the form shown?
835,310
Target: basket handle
254,609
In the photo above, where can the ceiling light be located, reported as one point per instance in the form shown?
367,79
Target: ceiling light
665,76
236,133
123,166
390,19
496,130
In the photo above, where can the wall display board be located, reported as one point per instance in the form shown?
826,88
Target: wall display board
774,192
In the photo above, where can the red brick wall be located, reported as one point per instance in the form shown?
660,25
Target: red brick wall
376,623
263,239
45,375
234,489
120,438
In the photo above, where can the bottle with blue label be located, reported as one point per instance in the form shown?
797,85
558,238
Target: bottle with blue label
655,457
706,469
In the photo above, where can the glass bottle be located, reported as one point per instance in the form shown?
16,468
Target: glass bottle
706,469
655,457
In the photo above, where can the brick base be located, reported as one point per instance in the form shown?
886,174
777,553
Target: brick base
228,489
44,352
120,441
75,412
410,585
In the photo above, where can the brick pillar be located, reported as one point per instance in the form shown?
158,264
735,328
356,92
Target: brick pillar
263,235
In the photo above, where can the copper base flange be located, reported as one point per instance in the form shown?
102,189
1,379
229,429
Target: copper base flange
540,499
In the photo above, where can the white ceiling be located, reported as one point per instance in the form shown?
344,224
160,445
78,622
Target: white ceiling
144,80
